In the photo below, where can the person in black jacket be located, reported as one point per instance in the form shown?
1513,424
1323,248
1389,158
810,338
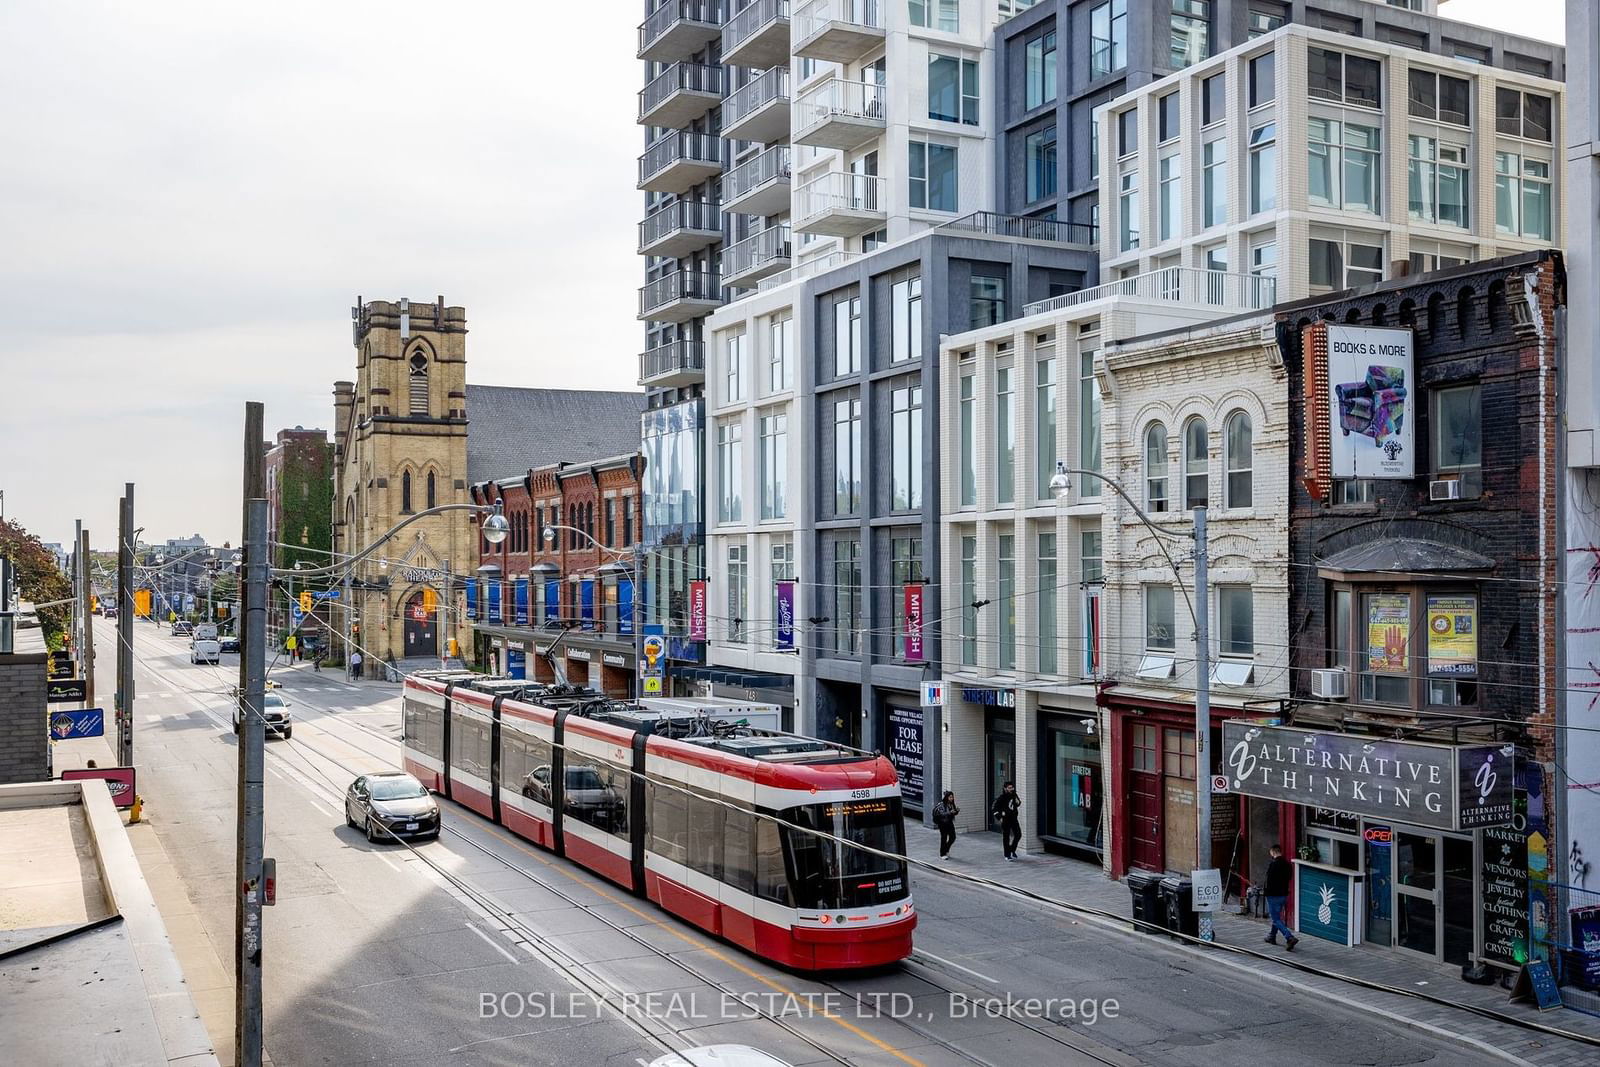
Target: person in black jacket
1007,808
1280,873
944,817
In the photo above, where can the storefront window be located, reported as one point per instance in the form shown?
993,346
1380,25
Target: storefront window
1405,636
1073,787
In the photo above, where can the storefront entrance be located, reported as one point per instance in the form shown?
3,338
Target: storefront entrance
1000,732
1161,811
1421,890
420,640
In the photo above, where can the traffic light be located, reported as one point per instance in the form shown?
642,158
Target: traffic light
355,629
430,601
305,601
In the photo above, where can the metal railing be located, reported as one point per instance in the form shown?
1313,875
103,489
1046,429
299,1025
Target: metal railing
754,95
839,191
671,358
771,165
745,24
811,18
680,144
693,77
771,243
1189,285
1021,227
679,215
679,285
838,98
669,14
808,268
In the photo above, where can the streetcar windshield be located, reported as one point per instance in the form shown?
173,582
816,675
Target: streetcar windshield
829,874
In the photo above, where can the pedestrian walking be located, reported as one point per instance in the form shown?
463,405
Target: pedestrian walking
944,817
355,665
1007,809
1279,874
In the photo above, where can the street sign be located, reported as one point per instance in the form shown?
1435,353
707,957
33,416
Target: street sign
652,685
325,594
295,614
119,780
66,690
1207,889
71,725
1219,783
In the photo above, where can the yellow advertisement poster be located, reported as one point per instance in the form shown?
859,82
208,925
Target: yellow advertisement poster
1388,633
1453,635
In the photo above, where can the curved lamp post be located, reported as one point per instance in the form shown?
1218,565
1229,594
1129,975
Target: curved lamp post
1199,611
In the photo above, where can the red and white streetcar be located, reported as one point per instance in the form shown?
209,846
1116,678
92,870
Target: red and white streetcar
668,803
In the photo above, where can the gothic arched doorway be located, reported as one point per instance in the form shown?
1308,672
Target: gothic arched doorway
420,637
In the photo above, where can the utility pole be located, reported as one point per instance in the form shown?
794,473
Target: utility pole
252,753
86,615
1202,708
77,591
125,629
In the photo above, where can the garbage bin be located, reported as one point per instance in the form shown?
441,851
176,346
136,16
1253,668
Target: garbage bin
1145,888
1177,895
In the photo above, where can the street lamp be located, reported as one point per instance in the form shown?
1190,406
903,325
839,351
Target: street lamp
619,567
1199,611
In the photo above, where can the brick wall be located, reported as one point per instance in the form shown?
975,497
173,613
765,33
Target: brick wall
1481,323
24,742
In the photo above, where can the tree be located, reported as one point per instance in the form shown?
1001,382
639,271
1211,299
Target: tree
39,580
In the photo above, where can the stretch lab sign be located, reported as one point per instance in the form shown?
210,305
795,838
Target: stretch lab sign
1447,787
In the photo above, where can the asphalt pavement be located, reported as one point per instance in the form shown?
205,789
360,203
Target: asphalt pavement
482,949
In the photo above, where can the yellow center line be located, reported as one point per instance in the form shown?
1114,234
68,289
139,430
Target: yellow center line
671,927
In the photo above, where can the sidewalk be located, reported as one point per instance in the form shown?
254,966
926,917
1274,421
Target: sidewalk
1079,882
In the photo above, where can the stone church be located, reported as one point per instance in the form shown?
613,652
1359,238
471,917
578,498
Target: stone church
400,447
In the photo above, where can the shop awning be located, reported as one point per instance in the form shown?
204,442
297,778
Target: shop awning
1405,555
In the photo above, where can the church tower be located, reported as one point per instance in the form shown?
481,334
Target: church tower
400,448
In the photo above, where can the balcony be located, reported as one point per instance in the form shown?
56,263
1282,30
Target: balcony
673,365
679,228
759,186
1186,285
1024,228
838,31
679,95
840,114
758,36
680,296
679,161
840,205
756,257
678,29
759,109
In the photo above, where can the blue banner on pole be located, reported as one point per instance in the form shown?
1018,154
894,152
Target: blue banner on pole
494,600
70,725
586,612
472,600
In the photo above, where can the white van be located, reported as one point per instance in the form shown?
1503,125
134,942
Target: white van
207,630
205,649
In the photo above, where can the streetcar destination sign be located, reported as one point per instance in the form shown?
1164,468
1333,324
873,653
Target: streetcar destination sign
1449,787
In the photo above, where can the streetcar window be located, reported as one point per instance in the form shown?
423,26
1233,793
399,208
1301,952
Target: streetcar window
705,836
738,850
830,874
669,822
469,747
772,880
514,765
422,731
597,793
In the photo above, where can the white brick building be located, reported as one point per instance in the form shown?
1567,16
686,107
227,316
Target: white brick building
1023,622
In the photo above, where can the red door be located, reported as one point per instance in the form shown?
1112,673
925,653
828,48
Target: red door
1145,800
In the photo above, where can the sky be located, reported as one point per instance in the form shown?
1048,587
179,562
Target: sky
193,194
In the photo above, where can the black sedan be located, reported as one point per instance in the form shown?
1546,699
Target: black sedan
389,805
229,642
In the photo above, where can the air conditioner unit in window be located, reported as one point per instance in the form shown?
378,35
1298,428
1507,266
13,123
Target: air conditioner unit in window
1445,489
1330,684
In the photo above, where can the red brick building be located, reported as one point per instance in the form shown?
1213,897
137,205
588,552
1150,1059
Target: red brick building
572,592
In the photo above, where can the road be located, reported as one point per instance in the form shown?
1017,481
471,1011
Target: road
481,949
